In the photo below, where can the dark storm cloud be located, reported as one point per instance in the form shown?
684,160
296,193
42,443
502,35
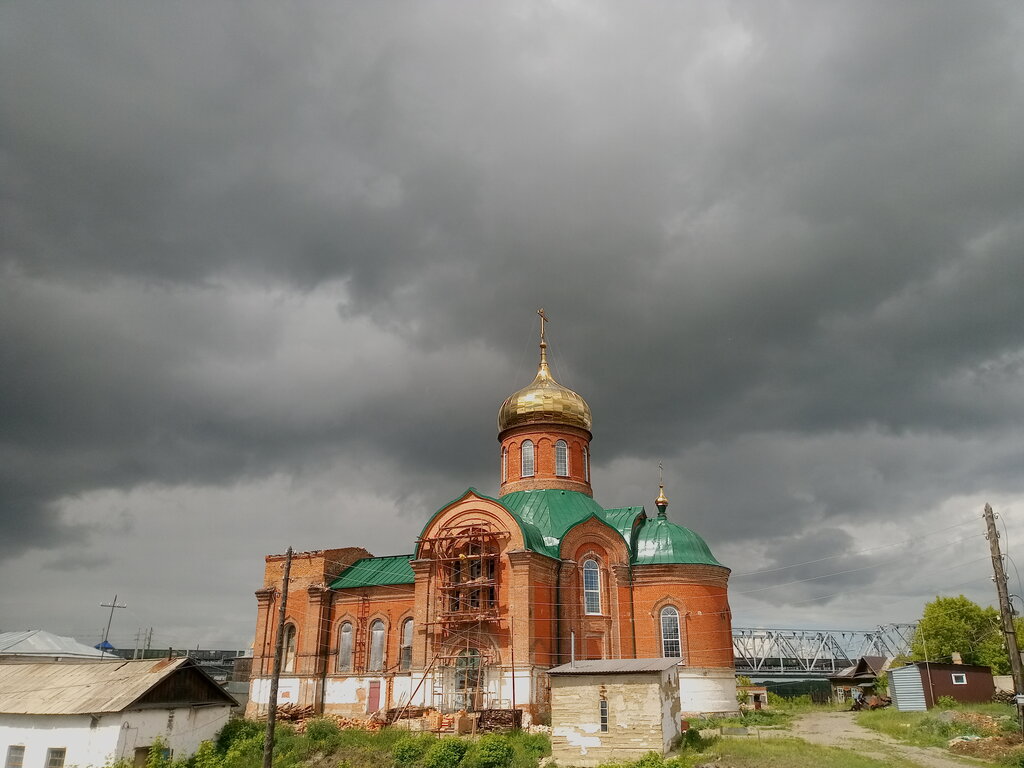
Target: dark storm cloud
780,243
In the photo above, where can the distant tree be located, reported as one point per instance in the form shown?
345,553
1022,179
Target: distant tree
958,625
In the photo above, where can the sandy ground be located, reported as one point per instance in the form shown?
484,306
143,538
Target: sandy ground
838,729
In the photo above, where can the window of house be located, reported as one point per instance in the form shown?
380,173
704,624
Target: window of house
15,756
527,456
604,715
504,464
376,646
55,757
290,646
405,657
561,459
671,647
959,678
345,647
468,679
591,587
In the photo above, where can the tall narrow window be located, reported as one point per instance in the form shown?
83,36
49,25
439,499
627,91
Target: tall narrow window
468,679
561,459
504,464
671,646
55,757
527,451
290,648
591,587
345,647
376,646
405,657
604,716
15,756
586,464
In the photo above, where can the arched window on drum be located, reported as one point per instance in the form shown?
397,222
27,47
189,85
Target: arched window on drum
671,638
561,459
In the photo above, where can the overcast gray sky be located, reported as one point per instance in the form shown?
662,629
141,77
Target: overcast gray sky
268,272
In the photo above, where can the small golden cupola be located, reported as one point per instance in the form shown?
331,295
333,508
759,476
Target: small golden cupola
544,430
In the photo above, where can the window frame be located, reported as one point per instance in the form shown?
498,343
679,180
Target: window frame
343,664
405,645
586,464
602,711
51,753
665,637
523,459
290,648
8,763
561,456
504,464
962,675
379,664
591,566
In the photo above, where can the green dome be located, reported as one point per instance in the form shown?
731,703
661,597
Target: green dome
663,542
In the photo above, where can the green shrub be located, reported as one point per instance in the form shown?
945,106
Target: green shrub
946,702
322,731
239,728
159,755
445,753
409,750
206,756
493,751
650,760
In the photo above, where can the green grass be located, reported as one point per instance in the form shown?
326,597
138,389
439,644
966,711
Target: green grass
925,729
791,753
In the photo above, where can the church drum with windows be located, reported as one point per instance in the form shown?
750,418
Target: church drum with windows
499,589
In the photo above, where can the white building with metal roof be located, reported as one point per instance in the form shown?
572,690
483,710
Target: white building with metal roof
82,714
40,645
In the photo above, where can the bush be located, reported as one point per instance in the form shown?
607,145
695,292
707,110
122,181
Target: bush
445,753
322,731
493,751
946,702
206,756
239,728
410,749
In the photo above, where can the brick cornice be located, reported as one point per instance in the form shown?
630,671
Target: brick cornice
701,575
265,595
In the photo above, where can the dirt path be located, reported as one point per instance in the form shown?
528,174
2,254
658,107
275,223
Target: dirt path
838,729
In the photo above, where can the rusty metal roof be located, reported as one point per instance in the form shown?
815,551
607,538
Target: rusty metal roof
70,688
614,666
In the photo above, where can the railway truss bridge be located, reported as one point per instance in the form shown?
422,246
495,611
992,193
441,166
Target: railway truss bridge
813,653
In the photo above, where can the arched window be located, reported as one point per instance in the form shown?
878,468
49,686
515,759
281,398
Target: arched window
591,587
671,646
586,464
527,452
561,459
376,647
345,647
405,656
290,646
504,464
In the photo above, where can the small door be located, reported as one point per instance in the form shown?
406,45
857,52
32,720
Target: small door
373,700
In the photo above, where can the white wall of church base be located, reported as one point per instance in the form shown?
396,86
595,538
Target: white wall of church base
707,690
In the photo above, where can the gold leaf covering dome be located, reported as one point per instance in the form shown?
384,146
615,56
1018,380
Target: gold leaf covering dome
544,400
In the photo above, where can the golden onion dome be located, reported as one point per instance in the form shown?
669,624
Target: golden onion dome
544,400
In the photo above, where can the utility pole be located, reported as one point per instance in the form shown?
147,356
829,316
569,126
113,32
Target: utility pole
268,740
106,633
1005,611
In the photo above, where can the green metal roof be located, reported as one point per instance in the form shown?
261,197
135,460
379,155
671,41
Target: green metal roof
376,572
625,520
661,541
553,512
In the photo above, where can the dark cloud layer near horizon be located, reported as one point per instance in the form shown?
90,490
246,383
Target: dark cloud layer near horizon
268,273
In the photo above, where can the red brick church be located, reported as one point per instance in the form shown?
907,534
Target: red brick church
498,589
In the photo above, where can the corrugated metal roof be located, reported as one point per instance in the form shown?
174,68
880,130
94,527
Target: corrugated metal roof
376,572
80,689
614,666
38,642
